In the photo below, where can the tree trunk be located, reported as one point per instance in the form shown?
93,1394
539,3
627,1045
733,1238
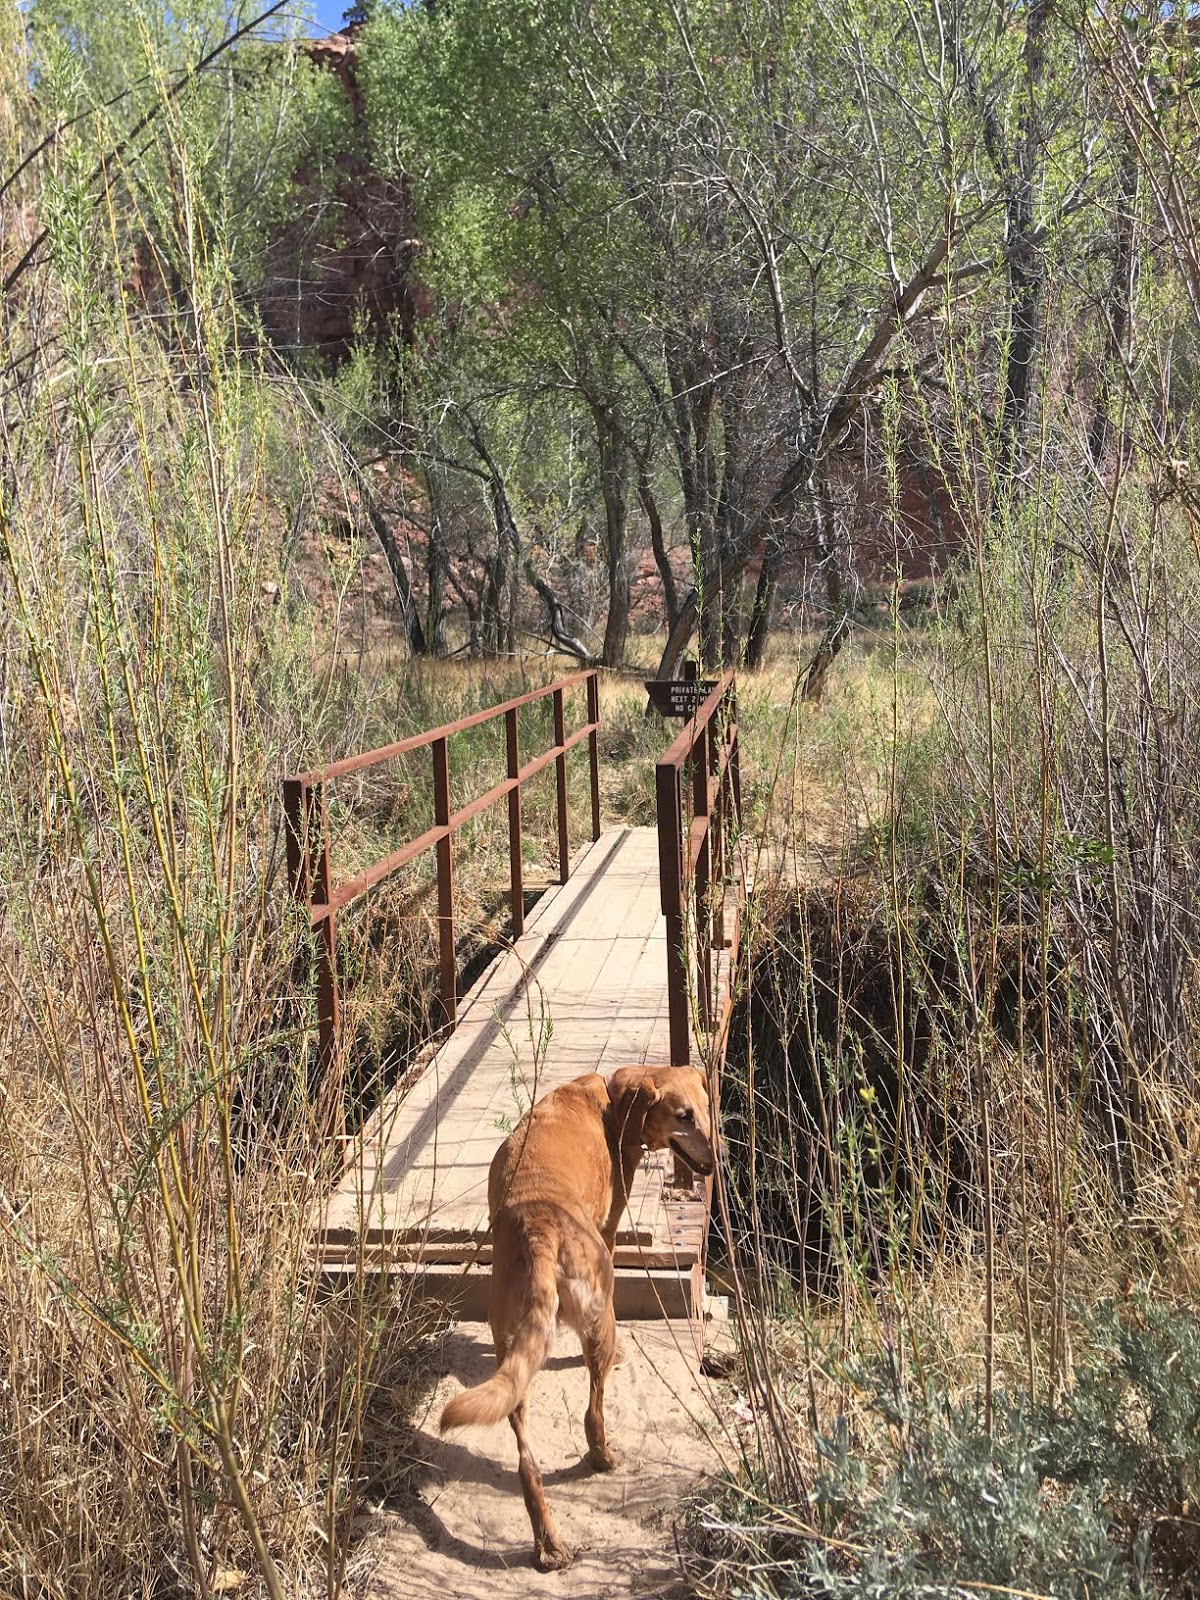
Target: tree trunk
1118,309
437,567
491,618
840,589
691,405
1026,266
762,614
712,612
1027,282
565,641
472,610
662,560
614,479
835,637
768,523
836,416
731,515
499,590
382,529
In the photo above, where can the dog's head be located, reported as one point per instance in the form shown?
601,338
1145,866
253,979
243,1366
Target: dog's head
661,1107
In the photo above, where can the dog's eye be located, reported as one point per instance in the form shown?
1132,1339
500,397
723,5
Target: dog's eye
687,1115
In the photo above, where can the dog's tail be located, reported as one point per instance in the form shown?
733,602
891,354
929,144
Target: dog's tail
492,1401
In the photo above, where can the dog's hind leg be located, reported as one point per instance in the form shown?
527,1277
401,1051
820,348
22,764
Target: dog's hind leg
599,1351
585,1292
550,1554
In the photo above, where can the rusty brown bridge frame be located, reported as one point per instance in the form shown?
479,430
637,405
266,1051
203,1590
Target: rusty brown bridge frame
702,761
698,793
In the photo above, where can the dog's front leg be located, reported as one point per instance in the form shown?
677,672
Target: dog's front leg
550,1554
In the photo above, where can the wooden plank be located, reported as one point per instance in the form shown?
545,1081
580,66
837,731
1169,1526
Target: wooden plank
680,1252
383,1240
464,1292
582,990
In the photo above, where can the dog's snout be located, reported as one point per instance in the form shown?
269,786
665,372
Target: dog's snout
696,1150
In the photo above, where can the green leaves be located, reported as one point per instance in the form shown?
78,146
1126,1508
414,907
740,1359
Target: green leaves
118,78
1087,1497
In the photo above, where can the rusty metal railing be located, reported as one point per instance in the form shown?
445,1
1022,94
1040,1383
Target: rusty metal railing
310,850
699,796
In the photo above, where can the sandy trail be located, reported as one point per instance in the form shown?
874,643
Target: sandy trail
468,1536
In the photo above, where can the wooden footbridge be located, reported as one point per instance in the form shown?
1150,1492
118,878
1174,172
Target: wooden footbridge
628,959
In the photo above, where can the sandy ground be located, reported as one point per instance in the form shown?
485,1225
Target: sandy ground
468,1536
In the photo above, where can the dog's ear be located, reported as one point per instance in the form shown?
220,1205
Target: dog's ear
633,1080
631,1092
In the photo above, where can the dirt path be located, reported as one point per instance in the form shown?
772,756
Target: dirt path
468,1537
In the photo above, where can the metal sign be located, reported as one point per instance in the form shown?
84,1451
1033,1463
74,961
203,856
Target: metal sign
679,697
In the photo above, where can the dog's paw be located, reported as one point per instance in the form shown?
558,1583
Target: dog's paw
619,1353
606,1460
552,1556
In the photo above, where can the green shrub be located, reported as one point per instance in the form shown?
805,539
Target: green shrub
1078,1499
1129,1431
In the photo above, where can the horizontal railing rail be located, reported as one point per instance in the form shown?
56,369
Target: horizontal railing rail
699,800
310,847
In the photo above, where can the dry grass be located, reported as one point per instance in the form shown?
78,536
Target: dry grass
959,1098
965,1066
179,1413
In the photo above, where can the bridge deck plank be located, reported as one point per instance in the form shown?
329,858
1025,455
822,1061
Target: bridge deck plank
583,990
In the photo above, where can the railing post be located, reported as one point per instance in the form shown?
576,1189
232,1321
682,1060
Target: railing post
716,746
560,771
701,874
511,739
735,771
445,882
593,713
297,854
320,872
669,801
310,877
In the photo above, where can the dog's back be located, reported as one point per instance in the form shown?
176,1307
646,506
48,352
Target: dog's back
557,1155
549,1189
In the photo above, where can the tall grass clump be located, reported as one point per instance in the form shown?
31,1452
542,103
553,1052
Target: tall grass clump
177,1414
960,1110
960,1104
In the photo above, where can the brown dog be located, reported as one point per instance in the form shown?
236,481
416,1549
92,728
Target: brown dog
556,1191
